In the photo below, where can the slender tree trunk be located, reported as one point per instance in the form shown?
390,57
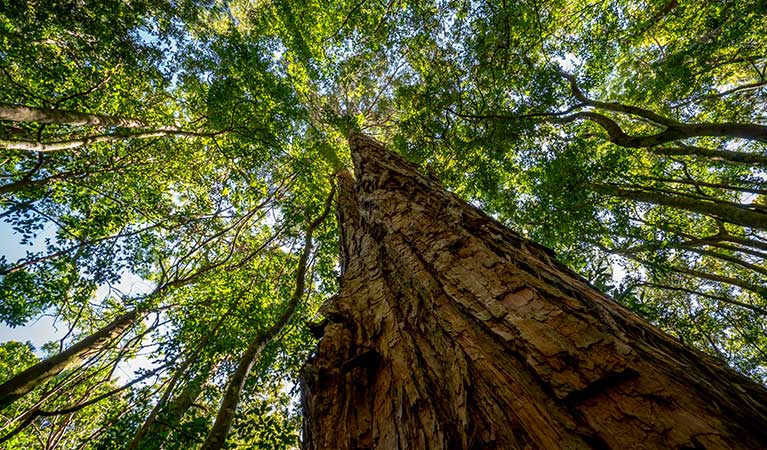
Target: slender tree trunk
728,212
714,155
161,403
43,147
218,432
25,381
452,332
177,409
171,415
23,113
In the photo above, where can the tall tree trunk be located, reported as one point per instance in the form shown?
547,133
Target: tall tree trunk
23,382
180,405
452,332
171,416
180,372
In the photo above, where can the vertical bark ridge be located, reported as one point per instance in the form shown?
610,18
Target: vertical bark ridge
450,332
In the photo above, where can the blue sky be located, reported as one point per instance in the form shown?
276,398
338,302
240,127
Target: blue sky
44,329
39,331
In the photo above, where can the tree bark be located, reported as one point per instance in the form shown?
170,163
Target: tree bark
452,332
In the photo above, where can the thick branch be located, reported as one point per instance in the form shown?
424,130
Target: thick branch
673,130
720,298
728,187
23,382
617,136
731,259
759,290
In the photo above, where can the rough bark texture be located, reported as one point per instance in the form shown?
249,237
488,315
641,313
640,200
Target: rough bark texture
452,332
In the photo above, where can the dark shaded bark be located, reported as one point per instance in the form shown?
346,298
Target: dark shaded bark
451,332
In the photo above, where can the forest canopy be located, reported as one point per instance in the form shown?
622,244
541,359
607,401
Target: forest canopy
166,176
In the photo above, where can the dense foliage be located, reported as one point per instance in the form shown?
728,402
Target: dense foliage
188,148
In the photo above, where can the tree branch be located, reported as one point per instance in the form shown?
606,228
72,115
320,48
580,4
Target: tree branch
53,146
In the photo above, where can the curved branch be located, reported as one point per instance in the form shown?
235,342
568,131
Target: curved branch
731,213
673,129
617,136
618,107
217,435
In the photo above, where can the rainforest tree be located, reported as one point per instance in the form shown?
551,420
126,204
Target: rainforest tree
168,172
